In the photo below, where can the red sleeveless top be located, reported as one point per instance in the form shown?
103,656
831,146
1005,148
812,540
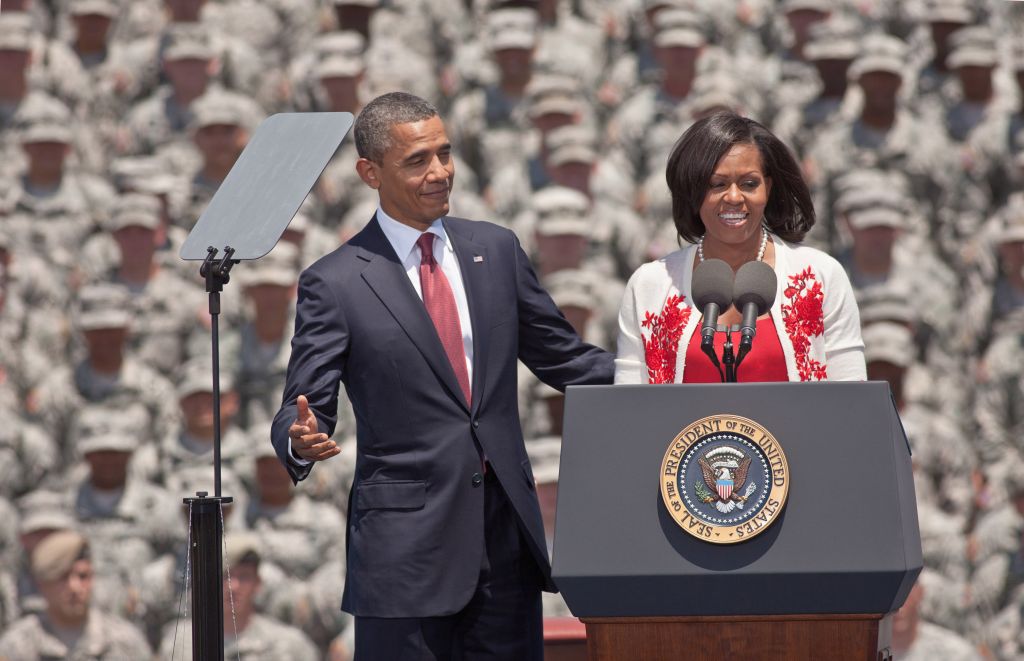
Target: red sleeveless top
765,362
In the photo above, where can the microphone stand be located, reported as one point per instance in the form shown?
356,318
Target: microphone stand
728,358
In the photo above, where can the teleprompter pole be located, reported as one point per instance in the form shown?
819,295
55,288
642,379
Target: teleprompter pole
206,521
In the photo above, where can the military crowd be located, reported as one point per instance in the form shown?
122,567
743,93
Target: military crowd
119,120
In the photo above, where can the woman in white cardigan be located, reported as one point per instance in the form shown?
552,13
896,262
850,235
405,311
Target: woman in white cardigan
738,195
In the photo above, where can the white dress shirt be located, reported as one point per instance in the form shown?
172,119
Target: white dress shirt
403,239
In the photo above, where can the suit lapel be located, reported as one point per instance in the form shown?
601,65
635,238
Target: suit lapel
475,269
385,275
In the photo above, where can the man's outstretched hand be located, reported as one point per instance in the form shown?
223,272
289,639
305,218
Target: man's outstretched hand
307,442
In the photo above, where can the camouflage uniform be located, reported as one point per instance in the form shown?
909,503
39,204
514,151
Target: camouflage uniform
935,642
105,638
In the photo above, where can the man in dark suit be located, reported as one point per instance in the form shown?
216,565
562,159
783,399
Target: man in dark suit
423,316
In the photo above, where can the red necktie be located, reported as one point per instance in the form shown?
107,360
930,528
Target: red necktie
440,304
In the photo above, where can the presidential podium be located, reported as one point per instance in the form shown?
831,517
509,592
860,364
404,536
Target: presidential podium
819,582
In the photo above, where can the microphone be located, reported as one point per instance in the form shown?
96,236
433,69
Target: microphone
755,293
712,290
712,294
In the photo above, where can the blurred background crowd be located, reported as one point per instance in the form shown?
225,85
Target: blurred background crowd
119,119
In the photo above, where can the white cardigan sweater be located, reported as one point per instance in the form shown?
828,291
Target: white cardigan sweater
815,315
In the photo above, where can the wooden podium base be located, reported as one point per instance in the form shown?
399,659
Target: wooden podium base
747,637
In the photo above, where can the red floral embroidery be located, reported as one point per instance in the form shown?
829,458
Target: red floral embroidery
805,319
666,330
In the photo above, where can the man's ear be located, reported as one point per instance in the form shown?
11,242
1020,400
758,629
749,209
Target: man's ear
367,170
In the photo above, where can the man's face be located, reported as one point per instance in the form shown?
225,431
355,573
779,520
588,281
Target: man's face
976,82
880,88
92,28
46,157
13,64
556,252
272,478
189,75
876,240
108,468
106,344
136,243
573,174
414,177
1011,258
342,92
197,410
186,11
244,584
221,144
68,597
515,64
677,61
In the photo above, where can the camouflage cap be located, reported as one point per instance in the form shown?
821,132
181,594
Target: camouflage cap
572,134
220,107
135,210
881,52
545,453
342,42
513,38
278,267
571,290
17,30
858,198
561,211
973,46
357,3
948,11
513,28
103,305
339,65
823,6
242,547
679,37
877,217
889,343
53,557
836,38
571,153
100,427
92,7
196,375
555,104
144,174
44,118
42,509
188,42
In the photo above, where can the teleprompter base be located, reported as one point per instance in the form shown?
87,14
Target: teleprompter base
752,638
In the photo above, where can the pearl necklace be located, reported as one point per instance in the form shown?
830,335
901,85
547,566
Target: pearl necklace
760,250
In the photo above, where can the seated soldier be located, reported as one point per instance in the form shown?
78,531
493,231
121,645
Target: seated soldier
248,635
70,627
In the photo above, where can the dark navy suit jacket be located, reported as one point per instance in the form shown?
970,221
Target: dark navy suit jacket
416,510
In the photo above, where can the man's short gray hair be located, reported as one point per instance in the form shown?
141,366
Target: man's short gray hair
373,126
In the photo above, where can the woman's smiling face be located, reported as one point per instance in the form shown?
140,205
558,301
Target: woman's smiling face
737,193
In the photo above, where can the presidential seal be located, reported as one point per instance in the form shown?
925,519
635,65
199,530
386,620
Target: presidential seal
724,479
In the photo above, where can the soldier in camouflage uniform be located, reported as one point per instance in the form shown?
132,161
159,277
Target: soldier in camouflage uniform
105,374
914,639
165,306
70,627
128,521
491,122
884,136
247,634
189,442
41,513
164,116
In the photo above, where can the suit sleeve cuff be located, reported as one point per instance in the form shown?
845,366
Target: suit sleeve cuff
298,460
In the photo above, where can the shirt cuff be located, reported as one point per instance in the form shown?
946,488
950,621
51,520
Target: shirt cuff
298,460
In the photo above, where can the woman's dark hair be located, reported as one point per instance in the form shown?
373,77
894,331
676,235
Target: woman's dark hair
789,213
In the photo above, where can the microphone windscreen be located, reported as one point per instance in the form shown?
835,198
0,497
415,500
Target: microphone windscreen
712,283
755,283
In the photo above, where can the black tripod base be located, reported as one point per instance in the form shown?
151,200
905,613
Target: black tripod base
206,527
